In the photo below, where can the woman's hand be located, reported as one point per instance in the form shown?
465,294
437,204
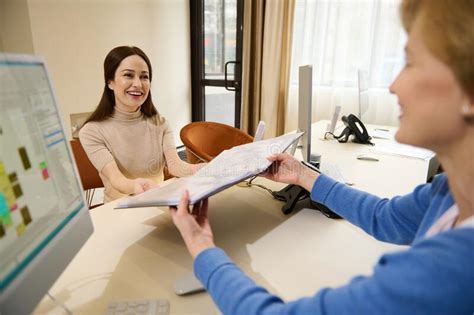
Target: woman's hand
287,169
197,167
178,167
142,184
123,184
194,227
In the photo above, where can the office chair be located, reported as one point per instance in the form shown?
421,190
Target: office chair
204,140
90,178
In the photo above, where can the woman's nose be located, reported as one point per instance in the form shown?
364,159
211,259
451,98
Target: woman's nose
137,82
393,87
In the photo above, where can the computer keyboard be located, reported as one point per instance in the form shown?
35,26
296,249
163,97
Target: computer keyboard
139,307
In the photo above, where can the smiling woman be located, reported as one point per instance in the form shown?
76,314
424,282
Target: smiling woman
132,84
126,138
435,274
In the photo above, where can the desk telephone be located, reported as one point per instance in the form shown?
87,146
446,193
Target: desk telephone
356,128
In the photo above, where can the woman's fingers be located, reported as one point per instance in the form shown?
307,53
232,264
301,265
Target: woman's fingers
271,158
279,157
196,208
202,215
204,207
183,203
198,212
200,208
276,157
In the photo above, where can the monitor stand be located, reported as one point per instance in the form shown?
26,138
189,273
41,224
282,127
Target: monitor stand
291,194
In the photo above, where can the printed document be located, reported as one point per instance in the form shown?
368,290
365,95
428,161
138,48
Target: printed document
395,148
225,170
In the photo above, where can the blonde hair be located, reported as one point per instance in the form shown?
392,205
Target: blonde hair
448,32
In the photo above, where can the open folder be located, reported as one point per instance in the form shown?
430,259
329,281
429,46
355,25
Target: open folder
225,170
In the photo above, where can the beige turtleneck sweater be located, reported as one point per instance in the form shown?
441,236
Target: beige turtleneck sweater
135,142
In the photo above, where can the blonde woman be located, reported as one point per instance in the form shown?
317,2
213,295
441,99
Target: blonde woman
436,274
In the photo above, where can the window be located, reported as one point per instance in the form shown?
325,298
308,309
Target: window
341,37
216,43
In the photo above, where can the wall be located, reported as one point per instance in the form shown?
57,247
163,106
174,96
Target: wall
15,30
2,23
172,62
75,35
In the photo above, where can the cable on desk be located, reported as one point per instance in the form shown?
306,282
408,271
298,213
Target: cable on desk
68,311
338,127
271,192
250,184
327,133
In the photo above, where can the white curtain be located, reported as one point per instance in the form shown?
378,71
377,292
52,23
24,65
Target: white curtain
338,38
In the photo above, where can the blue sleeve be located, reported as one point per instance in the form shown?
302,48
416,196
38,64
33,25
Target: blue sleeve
235,293
393,220
433,277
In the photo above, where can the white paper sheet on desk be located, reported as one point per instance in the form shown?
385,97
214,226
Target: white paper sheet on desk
395,148
225,170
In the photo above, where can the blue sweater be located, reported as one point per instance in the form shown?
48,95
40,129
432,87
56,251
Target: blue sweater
434,276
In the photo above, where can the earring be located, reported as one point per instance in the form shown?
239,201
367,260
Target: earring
465,110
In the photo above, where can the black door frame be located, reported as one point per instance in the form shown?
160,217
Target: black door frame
198,81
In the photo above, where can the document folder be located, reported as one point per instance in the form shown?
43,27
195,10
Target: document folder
225,170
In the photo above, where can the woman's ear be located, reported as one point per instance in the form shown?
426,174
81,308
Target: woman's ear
467,110
110,85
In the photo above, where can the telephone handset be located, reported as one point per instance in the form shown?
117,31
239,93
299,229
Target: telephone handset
356,128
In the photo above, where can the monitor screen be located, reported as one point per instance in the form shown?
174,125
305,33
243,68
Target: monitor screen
305,103
363,85
43,216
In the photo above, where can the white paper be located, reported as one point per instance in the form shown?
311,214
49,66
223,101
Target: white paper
382,134
225,170
395,148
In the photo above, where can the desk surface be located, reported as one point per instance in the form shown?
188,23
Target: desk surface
138,253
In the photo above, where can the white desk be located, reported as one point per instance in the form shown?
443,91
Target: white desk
138,253
392,175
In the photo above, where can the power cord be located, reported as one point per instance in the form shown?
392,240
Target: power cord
271,192
327,134
250,184
68,311
333,136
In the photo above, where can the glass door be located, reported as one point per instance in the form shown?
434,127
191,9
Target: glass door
216,60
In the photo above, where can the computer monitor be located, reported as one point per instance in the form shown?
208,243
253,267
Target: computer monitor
363,84
44,219
305,98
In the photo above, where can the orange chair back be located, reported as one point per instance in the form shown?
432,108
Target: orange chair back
89,175
204,140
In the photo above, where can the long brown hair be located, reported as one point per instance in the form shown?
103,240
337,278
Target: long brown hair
106,105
